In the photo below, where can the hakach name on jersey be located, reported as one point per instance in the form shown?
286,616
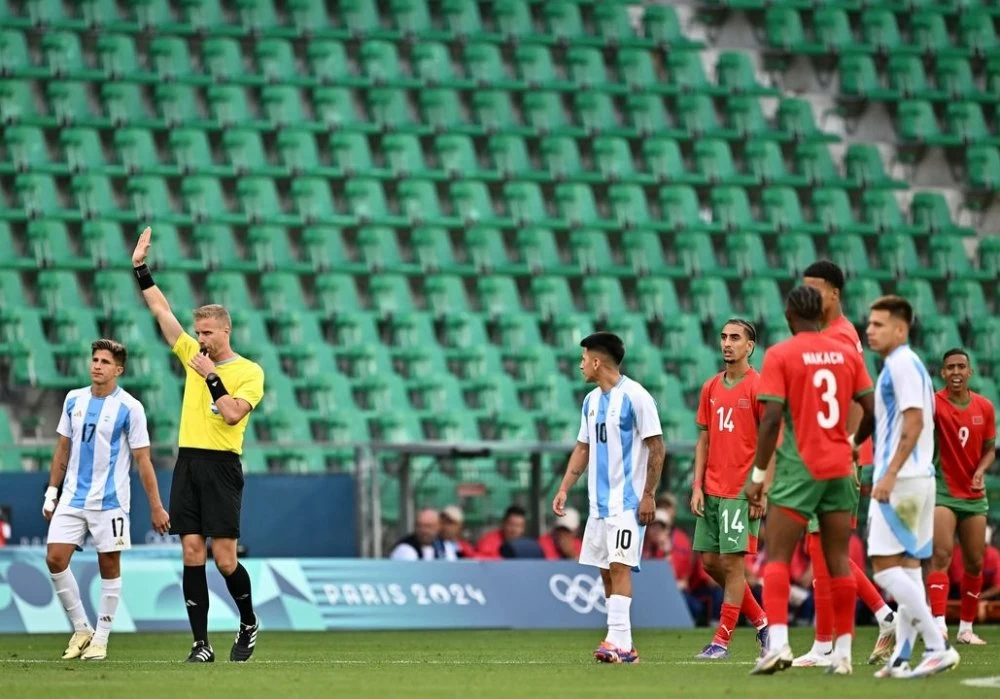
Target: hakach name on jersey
822,358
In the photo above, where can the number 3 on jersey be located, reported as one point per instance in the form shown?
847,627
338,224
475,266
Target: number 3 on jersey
825,379
725,420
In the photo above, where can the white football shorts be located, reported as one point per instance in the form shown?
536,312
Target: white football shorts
615,539
905,524
110,528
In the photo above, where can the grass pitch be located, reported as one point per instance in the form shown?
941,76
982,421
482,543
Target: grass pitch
452,664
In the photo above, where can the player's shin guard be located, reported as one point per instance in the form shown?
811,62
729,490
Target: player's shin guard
845,596
751,610
196,601
727,624
938,587
972,585
777,588
111,591
238,583
822,595
69,594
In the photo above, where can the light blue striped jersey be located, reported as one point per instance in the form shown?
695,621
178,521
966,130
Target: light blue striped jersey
903,384
615,424
103,433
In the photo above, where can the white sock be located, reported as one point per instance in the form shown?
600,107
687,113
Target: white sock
777,637
69,595
942,623
822,647
906,635
884,613
843,646
619,622
111,592
908,589
964,626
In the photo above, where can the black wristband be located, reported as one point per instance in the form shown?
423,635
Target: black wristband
144,276
215,386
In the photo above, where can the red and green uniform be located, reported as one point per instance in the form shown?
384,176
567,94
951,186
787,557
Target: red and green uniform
730,414
962,433
815,377
843,330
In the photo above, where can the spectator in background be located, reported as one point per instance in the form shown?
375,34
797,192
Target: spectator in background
562,542
656,543
424,544
451,534
511,528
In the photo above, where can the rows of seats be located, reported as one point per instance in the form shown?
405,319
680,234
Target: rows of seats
936,65
416,210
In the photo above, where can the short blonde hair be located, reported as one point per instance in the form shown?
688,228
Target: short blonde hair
214,310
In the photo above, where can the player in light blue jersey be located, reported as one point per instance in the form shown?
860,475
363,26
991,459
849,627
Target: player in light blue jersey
102,429
621,442
901,513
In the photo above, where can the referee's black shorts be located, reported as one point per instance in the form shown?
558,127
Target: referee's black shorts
206,493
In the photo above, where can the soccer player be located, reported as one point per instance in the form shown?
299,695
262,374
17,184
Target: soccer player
220,390
809,380
102,429
965,425
828,279
726,530
621,442
901,512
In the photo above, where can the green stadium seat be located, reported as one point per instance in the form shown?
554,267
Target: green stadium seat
917,125
735,73
859,78
937,334
766,163
989,256
280,292
881,31
966,299
661,24
950,261
849,252
931,214
977,35
15,56
680,210
380,251
832,210
731,210
983,167
552,296
864,168
714,161
587,70
858,295
796,252
29,151
603,297
591,251
746,117
432,248
880,209
955,80
58,289
710,297
513,19
52,247
760,297
12,260
921,295
462,19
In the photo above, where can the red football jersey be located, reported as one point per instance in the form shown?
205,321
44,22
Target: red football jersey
816,378
731,415
961,433
844,330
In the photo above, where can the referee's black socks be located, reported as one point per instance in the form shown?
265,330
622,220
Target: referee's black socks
196,601
239,587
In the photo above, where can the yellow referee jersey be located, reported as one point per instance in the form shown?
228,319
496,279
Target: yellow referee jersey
202,427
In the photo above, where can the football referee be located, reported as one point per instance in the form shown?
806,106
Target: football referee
220,390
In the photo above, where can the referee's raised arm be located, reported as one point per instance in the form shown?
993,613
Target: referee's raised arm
157,302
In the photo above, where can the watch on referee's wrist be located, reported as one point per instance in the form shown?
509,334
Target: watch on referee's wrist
215,386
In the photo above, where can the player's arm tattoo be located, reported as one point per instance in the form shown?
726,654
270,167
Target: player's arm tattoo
767,434
60,461
654,467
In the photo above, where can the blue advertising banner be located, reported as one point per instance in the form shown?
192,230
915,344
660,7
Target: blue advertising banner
283,515
339,594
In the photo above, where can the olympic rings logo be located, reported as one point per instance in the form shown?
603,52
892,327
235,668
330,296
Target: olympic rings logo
582,593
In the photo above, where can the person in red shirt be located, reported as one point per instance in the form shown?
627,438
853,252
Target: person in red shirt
726,530
808,381
828,279
965,436
562,542
991,569
512,527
